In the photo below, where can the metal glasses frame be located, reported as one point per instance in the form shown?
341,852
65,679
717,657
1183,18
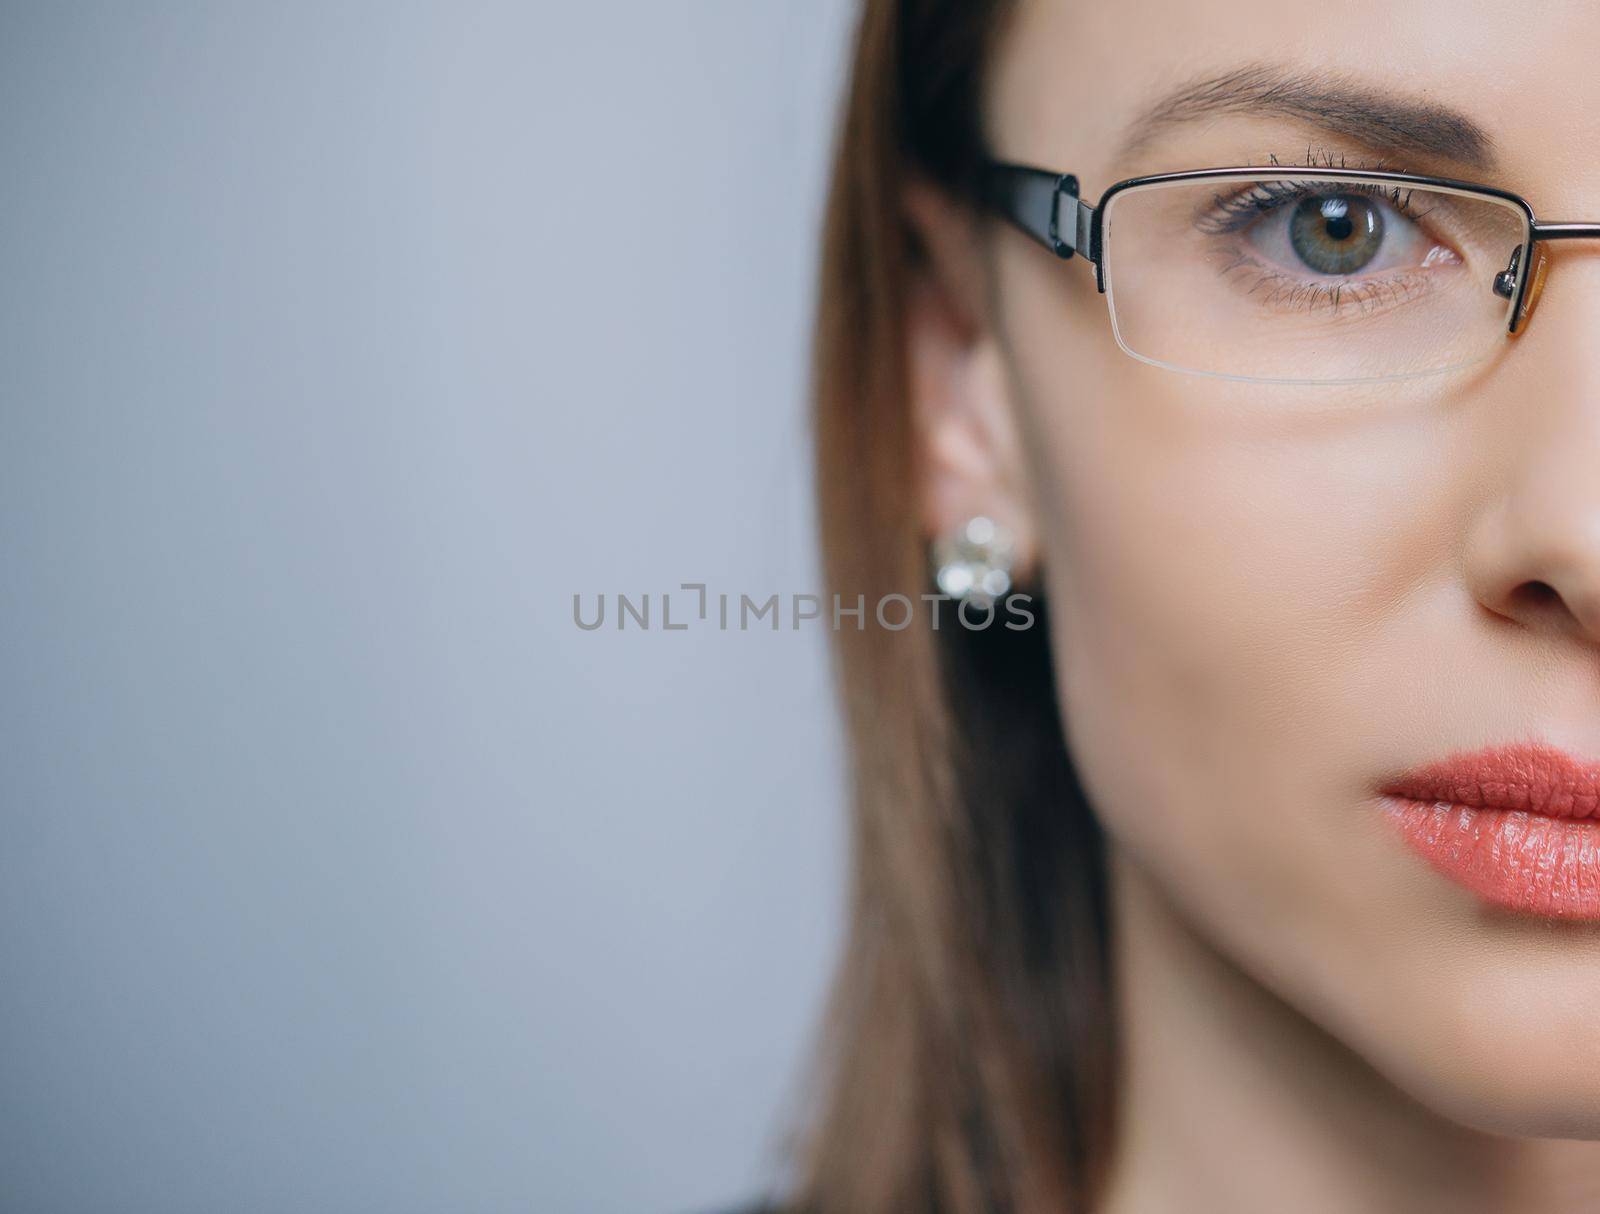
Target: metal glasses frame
1046,205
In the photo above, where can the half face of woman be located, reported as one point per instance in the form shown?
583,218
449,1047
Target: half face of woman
1270,600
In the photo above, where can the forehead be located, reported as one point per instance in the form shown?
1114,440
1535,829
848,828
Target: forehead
1073,78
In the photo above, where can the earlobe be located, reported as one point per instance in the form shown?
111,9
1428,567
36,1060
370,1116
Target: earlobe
969,451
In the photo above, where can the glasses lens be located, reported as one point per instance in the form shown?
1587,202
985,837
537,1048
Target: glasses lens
1333,278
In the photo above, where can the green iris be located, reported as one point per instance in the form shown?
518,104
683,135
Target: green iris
1336,234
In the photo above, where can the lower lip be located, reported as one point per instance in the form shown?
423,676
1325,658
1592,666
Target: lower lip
1520,861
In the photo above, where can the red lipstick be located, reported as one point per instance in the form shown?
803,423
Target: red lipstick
1518,825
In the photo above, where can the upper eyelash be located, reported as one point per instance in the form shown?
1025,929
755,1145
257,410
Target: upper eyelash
1232,212
1323,158
1229,213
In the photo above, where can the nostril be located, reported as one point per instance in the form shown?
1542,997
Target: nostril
1534,603
1540,605
1535,594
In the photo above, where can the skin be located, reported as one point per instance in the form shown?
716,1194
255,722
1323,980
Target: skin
1264,598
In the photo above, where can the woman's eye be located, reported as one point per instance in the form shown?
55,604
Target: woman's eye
1342,235
1336,235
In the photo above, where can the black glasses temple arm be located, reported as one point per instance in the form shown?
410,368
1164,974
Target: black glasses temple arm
1045,205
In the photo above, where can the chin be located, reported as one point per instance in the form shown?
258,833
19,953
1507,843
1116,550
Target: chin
1512,1052
1502,1106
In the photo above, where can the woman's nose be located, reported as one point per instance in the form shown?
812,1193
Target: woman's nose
1533,553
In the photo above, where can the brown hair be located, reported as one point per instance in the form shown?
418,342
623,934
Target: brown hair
968,1061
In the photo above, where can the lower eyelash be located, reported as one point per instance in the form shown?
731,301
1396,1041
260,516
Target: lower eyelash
1280,290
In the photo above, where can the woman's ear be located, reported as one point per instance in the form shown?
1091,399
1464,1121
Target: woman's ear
969,453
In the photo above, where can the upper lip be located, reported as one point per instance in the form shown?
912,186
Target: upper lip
1527,776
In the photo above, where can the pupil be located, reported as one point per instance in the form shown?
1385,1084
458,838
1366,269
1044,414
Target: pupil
1336,216
1336,234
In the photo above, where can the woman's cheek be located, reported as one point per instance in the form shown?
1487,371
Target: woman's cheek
1224,587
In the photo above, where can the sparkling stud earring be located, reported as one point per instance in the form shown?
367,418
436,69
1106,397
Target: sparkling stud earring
973,563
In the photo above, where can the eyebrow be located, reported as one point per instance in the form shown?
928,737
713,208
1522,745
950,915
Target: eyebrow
1381,120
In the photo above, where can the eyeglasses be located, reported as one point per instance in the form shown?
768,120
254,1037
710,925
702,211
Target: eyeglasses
1301,276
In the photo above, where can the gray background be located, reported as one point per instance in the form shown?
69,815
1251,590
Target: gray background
341,345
